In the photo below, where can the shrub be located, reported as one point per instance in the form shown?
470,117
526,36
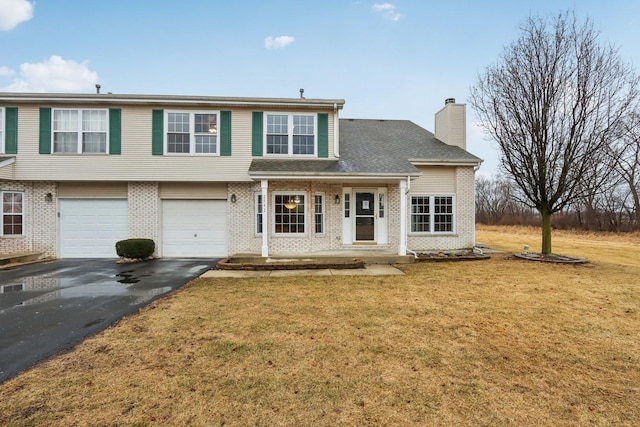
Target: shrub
135,248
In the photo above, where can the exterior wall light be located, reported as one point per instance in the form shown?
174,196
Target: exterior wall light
337,199
48,197
233,198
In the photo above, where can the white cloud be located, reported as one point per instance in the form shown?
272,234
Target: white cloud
387,10
54,74
13,12
278,42
6,71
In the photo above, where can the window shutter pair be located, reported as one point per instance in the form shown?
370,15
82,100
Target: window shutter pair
157,133
115,131
257,132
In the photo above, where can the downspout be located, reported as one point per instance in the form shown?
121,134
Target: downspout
336,131
264,191
415,254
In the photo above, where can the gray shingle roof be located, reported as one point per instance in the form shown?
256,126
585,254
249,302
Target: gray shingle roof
373,147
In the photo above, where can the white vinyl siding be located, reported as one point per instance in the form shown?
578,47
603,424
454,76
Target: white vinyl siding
435,180
136,162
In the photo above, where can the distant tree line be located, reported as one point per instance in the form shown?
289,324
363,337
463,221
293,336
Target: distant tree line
611,204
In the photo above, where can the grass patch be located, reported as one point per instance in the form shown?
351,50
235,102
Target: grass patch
497,342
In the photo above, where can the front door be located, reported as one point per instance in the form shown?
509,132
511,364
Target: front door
365,216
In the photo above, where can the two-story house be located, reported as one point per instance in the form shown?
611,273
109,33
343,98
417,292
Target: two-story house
214,176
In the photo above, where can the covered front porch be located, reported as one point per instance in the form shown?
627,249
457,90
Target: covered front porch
332,217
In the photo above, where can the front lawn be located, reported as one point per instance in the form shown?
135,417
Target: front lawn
497,342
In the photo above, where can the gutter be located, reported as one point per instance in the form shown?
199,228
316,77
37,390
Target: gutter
170,100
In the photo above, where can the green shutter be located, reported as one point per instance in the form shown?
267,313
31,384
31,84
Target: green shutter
11,130
225,133
256,134
323,135
115,130
157,132
45,131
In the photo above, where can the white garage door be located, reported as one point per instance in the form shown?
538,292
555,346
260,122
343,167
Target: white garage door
90,228
194,228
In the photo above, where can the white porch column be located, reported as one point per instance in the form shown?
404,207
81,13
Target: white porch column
264,186
402,247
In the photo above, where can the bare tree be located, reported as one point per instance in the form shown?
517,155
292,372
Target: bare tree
551,102
627,157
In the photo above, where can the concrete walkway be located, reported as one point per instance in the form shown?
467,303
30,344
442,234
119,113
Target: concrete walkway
369,270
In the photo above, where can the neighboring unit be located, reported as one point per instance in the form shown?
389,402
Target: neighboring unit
215,176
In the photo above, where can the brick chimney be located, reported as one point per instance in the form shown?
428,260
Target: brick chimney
451,124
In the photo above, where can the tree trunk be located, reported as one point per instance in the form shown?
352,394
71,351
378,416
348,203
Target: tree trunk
546,231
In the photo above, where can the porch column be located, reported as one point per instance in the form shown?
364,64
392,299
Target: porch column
264,186
402,247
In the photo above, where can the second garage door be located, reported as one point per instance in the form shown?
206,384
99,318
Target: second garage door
194,228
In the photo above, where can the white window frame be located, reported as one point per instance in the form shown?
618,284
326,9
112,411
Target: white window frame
305,213
3,126
321,213
192,133
258,215
290,134
432,214
2,214
79,131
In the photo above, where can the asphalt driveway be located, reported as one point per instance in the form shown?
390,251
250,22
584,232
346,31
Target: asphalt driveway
50,306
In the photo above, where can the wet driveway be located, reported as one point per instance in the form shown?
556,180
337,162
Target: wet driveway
50,306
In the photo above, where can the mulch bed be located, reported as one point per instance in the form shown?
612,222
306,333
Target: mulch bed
449,257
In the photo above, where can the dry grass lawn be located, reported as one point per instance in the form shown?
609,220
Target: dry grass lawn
497,342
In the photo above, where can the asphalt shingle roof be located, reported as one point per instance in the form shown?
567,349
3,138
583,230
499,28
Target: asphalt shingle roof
376,147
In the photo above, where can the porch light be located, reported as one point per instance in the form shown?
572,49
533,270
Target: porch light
337,199
48,197
233,198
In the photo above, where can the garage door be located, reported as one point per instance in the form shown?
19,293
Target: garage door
194,228
90,228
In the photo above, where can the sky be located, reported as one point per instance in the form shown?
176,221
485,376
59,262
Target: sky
388,60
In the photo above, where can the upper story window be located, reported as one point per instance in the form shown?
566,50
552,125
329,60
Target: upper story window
80,131
2,130
290,134
192,132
